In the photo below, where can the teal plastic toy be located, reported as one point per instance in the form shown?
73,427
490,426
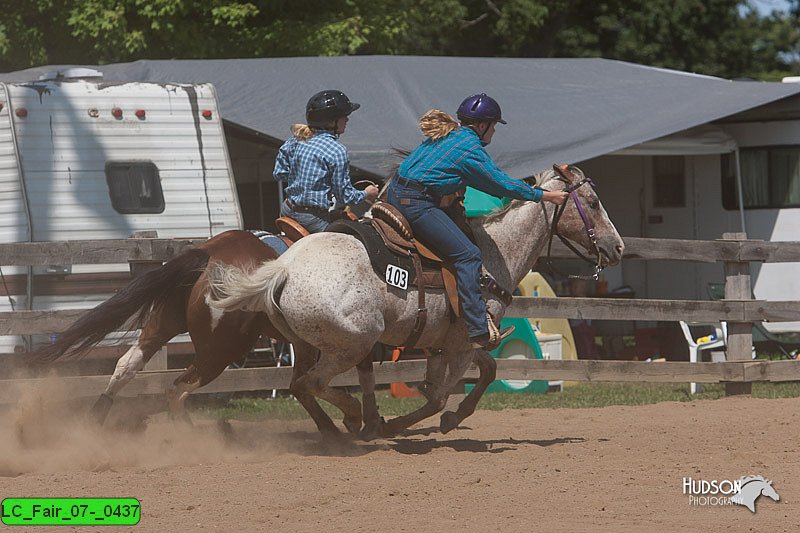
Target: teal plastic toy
521,344
479,203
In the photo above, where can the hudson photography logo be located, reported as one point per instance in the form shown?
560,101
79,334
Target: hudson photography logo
743,491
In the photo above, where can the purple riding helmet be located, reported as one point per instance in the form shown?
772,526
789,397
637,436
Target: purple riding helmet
480,108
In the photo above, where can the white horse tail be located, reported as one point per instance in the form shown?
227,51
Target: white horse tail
231,288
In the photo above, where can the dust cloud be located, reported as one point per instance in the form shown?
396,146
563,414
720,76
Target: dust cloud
46,433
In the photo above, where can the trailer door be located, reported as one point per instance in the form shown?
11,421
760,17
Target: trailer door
669,214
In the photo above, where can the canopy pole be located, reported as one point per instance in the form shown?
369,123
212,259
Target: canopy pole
739,190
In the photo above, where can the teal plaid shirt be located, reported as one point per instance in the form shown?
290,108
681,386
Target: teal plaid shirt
316,170
449,164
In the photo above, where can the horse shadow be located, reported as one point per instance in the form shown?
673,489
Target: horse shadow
311,443
408,446
133,418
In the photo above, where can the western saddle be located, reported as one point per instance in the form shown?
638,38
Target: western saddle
431,271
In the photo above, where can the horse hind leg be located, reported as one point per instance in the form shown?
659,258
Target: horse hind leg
305,358
316,380
127,367
373,421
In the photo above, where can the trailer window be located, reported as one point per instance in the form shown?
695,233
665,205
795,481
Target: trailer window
669,181
134,187
770,178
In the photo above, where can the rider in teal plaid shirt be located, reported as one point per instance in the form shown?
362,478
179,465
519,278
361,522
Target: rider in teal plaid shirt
316,165
452,157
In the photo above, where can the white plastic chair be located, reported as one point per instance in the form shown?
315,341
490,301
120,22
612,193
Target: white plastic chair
721,331
279,355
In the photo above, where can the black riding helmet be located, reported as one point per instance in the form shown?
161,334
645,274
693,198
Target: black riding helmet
327,106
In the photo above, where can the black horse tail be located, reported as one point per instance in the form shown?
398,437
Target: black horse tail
138,297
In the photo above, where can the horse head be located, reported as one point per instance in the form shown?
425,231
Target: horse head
768,490
583,219
751,488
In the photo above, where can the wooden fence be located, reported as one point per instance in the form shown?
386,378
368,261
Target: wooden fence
738,309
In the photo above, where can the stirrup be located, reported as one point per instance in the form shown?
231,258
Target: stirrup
493,339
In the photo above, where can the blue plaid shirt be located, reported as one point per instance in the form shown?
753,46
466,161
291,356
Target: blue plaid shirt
315,170
449,164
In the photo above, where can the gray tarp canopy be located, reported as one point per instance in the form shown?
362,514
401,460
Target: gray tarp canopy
559,110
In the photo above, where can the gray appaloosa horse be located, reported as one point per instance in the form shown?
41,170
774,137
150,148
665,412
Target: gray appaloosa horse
324,296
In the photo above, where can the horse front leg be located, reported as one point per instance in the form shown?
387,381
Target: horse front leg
163,323
435,370
182,387
398,424
433,391
488,371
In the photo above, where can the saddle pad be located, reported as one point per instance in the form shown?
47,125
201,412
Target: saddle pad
382,257
379,255
271,240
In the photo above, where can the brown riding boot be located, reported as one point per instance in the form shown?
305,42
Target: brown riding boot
491,340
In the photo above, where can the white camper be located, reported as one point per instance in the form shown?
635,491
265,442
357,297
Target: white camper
86,158
686,186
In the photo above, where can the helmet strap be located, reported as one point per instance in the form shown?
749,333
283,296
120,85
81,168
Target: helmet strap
474,127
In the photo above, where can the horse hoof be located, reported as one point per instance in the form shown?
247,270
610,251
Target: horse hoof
99,411
372,430
353,424
370,433
449,421
181,418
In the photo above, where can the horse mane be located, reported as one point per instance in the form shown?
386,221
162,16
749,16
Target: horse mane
748,479
538,179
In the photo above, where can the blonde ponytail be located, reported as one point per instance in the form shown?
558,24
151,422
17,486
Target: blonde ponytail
437,124
302,132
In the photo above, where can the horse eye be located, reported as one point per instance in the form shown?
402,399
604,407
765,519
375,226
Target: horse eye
594,204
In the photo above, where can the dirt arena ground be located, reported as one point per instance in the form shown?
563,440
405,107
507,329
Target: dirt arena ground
605,469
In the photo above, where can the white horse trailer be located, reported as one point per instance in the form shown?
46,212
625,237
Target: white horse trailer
85,158
686,186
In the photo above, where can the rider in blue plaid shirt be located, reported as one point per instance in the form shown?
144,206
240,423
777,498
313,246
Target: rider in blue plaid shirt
316,165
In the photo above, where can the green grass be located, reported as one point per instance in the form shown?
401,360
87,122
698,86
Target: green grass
581,395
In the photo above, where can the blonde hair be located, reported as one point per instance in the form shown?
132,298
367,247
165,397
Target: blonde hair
437,124
302,132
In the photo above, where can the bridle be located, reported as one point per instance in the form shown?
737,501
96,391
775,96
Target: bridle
565,175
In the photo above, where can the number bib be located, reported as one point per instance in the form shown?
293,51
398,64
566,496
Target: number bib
397,277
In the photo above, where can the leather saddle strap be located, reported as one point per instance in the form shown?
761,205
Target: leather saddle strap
491,285
422,312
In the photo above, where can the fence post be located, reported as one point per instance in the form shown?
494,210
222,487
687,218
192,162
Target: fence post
740,334
159,359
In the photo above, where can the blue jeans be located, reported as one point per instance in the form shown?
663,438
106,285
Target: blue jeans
437,230
312,221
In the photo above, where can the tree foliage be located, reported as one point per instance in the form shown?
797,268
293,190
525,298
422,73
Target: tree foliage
719,37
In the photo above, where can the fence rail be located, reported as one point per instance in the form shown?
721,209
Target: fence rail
46,322
138,249
734,250
256,379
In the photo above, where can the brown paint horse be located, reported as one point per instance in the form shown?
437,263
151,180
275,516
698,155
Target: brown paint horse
169,301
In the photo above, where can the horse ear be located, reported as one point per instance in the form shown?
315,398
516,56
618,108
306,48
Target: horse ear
564,172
